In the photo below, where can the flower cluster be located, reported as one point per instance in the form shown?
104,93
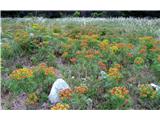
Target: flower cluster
35,26
138,60
146,38
114,72
6,46
146,91
130,55
120,92
65,94
154,49
60,106
84,43
21,37
81,89
142,51
91,53
124,45
114,48
21,74
65,54
32,99
102,65
89,56
38,27
118,66
73,60
94,36
130,46
103,45
47,70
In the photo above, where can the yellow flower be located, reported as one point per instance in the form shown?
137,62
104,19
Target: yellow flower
32,98
60,106
114,49
147,38
21,74
118,66
103,45
146,91
35,26
114,73
6,46
120,92
94,36
21,37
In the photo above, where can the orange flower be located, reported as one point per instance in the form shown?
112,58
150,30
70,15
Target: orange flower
89,56
142,51
78,52
73,60
123,45
102,65
130,55
49,71
90,51
90,33
81,89
84,43
65,54
120,92
43,65
130,46
120,45
155,49
96,52
67,93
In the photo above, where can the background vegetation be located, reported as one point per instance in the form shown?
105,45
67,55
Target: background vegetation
60,14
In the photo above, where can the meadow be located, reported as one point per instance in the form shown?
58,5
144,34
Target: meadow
109,63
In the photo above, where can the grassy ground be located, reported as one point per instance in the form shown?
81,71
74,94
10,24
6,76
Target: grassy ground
36,51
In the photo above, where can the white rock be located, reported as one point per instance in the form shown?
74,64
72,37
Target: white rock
155,86
31,34
57,86
103,75
72,77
